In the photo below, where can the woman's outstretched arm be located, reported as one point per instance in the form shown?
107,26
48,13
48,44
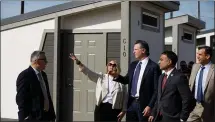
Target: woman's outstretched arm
93,76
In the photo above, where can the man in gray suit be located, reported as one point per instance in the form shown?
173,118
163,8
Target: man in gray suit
203,87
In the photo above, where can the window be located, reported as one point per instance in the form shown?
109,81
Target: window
187,36
212,42
150,20
200,41
168,47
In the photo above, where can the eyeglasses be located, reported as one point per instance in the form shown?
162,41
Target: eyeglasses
44,59
110,64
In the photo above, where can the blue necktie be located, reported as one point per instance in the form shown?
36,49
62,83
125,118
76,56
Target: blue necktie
135,79
199,90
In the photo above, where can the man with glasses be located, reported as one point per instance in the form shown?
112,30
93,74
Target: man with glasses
33,97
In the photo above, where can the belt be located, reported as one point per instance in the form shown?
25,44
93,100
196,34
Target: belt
135,99
45,110
199,102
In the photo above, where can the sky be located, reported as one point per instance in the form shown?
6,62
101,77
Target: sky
187,7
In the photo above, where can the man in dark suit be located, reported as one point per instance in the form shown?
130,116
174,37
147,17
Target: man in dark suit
174,100
33,96
142,79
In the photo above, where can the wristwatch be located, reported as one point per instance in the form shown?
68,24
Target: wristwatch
78,62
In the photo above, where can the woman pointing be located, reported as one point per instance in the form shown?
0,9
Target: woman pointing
111,92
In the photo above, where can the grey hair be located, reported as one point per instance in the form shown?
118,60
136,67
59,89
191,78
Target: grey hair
36,54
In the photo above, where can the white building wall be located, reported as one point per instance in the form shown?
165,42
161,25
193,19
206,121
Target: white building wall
168,36
16,47
207,37
154,39
102,18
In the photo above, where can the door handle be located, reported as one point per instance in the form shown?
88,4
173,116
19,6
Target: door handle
69,84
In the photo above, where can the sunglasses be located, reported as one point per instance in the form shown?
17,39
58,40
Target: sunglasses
110,64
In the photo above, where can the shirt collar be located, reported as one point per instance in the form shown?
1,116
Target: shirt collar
144,61
35,70
207,65
169,72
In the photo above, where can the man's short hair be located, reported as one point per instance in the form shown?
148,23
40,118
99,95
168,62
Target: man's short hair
172,56
144,45
208,50
36,54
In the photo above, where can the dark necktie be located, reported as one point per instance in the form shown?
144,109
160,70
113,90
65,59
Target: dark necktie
164,81
199,90
43,87
163,86
135,79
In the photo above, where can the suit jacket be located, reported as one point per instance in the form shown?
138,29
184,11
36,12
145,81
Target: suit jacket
119,93
29,97
148,87
209,93
175,100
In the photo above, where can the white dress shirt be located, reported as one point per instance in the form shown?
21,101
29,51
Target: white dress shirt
205,74
108,82
143,67
169,72
36,72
